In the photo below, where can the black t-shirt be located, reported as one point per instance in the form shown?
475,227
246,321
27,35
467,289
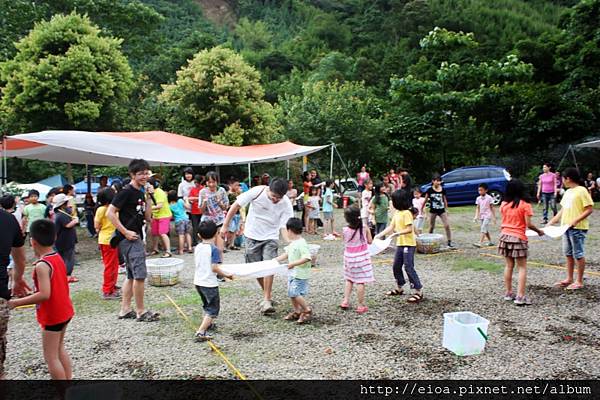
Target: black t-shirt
65,237
436,201
132,207
10,236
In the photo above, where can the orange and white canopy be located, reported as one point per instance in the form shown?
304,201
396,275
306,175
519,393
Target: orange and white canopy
156,147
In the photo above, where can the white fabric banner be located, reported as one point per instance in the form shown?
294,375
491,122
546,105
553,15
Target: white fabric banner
550,232
256,269
380,245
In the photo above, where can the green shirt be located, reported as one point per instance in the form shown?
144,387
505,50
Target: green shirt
33,212
297,250
381,209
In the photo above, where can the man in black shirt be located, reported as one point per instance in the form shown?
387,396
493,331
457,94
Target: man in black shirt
127,212
11,242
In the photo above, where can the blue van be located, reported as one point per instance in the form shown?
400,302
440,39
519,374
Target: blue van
461,184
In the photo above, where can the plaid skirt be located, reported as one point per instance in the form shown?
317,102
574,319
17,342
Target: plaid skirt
511,246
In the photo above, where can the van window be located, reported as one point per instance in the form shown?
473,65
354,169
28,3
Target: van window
495,173
452,177
475,174
348,186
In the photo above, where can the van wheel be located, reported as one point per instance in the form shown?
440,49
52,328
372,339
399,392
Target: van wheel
496,196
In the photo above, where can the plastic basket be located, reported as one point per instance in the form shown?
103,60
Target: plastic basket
462,334
164,271
429,243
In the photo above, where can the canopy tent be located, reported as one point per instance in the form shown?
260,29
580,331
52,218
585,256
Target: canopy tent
54,181
593,143
156,147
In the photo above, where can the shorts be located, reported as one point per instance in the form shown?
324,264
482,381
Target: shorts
234,225
420,222
57,327
297,287
485,225
260,250
211,302
512,247
183,227
327,215
161,226
573,243
4,314
134,254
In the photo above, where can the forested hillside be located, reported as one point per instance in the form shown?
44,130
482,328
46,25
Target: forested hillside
426,84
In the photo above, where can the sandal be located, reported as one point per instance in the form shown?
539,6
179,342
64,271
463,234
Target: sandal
574,286
344,305
305,317
563,284
415,298
153,253
166,255
130,315
362,309
395,292
292,316
235,248
148,316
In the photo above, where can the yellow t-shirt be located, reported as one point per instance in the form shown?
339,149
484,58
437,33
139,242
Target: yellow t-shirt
573,203
106,227
165,211
401,221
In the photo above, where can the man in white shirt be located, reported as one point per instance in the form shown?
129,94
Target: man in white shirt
269,211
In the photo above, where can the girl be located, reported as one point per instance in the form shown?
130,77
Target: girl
577,205
357,260
313,206
214,203
395,179
306,185
90,209
379,207
547,190
438,203
402,225
516,218
365,201
418,202
110,256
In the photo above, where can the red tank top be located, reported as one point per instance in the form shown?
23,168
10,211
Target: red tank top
58,308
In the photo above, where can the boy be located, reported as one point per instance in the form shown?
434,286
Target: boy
32,211
66,236
437,206
207,258
484,213
183,226
54,309
298,257
328,211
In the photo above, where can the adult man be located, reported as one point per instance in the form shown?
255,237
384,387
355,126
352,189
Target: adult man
267,216
11,242
127,212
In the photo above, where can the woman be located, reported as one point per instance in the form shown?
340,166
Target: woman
362,177
90,210
547,190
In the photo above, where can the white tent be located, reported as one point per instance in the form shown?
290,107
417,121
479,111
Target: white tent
592,144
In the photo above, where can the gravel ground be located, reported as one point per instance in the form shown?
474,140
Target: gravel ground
557,337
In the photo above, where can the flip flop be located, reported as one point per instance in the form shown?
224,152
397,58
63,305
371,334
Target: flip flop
574,286
563,284
395,292
148,316
415,298
153,253
130,315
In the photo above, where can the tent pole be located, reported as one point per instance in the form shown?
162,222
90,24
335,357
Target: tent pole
2,167
574,158
88,177
249,175
342,160
288,169
331,162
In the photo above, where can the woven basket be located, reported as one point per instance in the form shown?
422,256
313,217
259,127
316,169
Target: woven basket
164,271
429,243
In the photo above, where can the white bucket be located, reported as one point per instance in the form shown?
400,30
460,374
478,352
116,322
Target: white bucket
461,335
164,271
429,243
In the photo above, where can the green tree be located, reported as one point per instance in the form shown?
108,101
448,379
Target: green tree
64,75
218,96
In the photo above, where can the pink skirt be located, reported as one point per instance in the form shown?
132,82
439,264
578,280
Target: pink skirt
357,266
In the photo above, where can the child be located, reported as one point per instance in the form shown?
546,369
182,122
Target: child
54,309
365,201
516,218
161,219
313,206
237,224
298,257
329,232
183,227
577,205
418,203
89,207
214,204
402,225
357,260
110,255
207,258
66,236
484,213
379,207
438,203
32,211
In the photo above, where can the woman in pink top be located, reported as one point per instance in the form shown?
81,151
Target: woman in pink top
362,177
547,189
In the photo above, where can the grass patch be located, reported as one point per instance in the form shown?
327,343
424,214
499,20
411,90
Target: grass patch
88,301
463,263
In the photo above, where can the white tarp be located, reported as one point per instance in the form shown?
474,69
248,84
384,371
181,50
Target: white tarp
256,269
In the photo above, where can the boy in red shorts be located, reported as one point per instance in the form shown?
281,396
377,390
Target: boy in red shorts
54,309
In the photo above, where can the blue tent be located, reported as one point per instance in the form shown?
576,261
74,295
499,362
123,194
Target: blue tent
54,181
82,187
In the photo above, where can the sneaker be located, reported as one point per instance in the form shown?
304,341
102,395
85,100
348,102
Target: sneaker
451,245
202,336
490,244
267,307
111,296
544,222
522,301
509,297
474,244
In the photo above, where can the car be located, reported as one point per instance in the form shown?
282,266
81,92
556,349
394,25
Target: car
348,188
461,184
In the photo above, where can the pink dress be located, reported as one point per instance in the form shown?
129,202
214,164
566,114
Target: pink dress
357,260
